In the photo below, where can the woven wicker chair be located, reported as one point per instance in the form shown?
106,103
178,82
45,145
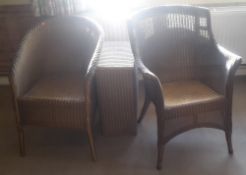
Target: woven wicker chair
187,75
53,76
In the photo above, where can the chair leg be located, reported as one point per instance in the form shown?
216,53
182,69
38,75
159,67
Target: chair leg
21,141
229,142
160,153
160,132
92,144
228,131
144,109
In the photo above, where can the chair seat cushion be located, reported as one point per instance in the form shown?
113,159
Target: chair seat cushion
188,93
55,100
57,87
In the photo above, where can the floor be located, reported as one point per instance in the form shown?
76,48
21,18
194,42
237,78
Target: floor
58,151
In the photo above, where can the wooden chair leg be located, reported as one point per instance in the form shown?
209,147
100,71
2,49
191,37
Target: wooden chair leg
144,109
228,132
92,144
21,141
160,132
229,142
160,156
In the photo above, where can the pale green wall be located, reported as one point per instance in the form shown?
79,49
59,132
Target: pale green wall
14,2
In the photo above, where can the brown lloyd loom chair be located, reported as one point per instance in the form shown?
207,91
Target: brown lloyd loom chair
53,76
187,76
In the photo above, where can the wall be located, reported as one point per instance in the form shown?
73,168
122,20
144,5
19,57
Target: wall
14,2
146,2
229,26
195,1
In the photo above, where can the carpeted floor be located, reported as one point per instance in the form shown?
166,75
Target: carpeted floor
59,151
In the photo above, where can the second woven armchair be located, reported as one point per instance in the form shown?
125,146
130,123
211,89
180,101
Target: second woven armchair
53,76
187,75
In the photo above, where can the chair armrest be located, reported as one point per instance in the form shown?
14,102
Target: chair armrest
231,63
219,72
26,67
152,83
90,81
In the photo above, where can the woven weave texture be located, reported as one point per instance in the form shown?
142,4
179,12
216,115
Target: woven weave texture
116,85
53,75
187,75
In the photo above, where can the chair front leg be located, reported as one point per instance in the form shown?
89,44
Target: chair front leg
160,130
228,130
229,142
160,148
20,131
91,142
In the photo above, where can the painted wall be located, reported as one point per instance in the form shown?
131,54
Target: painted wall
195,1
14,2
146,2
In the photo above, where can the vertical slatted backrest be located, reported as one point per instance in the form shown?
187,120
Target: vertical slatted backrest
170,40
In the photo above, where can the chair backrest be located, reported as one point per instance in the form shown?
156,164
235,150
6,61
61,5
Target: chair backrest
64,44
170,40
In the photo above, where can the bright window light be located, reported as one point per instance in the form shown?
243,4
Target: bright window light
114,10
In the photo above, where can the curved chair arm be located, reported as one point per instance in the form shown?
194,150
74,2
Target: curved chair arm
152,84
231,63
26,68
24,72
90,82
219,74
